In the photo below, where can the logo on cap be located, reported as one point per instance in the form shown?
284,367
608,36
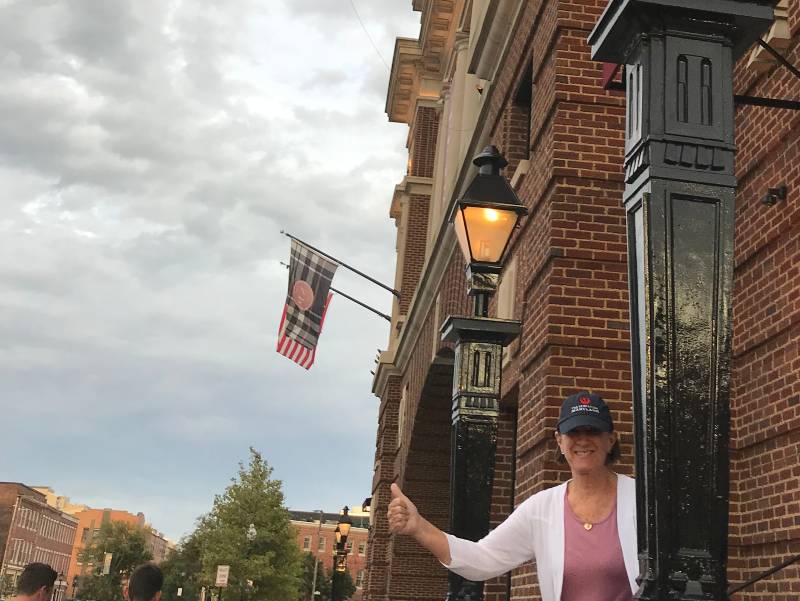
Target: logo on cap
584,400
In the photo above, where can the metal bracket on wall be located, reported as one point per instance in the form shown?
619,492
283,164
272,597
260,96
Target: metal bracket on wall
779,57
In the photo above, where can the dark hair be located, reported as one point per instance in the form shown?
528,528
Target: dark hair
613,455
145,582
34,577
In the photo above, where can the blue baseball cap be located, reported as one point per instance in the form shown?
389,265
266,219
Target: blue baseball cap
584,409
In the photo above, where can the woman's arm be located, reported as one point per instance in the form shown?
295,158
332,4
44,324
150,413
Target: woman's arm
504,548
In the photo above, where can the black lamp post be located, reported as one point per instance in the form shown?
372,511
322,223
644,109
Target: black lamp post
484,219
679,199
340,551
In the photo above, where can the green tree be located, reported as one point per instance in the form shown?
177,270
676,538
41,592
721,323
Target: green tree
128,547
345,587
268,555
183,569
307,576
7,586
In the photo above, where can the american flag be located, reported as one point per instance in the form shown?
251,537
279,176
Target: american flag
307,300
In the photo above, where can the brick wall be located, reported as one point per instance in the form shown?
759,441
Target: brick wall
375,587
572,289
765,403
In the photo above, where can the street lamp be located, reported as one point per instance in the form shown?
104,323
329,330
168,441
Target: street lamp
484,219
344,524
340,551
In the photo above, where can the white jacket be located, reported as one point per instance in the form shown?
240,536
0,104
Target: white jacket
535,530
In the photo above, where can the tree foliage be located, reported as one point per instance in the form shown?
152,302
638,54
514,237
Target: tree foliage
344,582
183,570
265,566
271,560
344,586
128,547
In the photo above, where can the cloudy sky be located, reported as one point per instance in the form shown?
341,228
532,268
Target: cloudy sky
150,153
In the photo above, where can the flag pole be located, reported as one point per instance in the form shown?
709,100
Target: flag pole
355,300
345,265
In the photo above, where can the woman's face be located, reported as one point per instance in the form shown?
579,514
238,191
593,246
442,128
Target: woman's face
586,449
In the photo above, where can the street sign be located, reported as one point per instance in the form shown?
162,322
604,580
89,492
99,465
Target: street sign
180,591
222,575
107,563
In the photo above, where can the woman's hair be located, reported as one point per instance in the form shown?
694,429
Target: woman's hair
613,455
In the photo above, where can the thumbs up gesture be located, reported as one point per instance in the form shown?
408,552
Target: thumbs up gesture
403,515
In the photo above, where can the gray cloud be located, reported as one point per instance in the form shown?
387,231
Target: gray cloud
150,152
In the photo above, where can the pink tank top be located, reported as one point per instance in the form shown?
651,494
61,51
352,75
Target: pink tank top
594,569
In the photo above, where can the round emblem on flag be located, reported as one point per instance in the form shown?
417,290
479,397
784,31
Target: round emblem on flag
303,294
585,400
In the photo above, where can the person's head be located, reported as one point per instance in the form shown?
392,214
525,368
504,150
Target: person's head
145,583
585,433
36,581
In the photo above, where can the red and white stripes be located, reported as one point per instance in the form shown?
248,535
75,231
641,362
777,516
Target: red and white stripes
302,355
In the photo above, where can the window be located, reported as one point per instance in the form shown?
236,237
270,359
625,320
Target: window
306,543
362,547
321,544
360,579
84,536
349,547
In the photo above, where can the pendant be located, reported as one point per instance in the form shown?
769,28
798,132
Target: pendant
587,526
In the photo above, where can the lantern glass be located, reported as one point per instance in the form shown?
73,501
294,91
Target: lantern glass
338,534
483,232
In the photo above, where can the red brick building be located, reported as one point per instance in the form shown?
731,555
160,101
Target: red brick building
320,540
518,75
32,531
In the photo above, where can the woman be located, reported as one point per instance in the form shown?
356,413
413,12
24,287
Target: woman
581,533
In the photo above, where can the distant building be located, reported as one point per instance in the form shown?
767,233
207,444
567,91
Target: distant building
319,540
89,523
60,501
31,530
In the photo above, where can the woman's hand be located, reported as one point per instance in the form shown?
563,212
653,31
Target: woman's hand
405,519
403,515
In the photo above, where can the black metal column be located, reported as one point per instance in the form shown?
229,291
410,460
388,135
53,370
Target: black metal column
679,199
476,408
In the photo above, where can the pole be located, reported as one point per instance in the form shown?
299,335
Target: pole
355,300
680,187
316,558
345,265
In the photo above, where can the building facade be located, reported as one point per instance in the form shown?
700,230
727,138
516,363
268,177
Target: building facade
317,537
32,531
518,75
89,523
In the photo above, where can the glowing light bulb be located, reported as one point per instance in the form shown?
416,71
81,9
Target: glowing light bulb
491,215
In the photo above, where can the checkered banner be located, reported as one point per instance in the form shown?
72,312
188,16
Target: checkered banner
307,299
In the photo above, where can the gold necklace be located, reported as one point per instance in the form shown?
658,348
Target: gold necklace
587,526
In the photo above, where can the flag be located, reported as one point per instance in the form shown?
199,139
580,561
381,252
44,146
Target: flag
307,300
295,351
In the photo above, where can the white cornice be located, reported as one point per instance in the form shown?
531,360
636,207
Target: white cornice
411,184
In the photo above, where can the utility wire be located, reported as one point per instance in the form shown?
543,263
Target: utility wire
371,41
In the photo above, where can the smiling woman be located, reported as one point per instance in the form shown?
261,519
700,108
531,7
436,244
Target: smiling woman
582,533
